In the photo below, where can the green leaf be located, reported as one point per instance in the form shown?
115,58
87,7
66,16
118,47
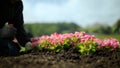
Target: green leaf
51,48
22,49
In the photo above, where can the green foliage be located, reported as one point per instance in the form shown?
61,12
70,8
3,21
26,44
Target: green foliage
87,48
59,49
39,29
117,27
99,29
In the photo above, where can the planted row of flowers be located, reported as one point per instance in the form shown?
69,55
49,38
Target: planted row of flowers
81,41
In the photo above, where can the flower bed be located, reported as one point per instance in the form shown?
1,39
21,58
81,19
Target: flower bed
95,52
82,42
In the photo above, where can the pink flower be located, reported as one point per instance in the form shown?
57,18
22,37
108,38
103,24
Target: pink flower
34,39
111,43
73,39
54,42
100,42
34,44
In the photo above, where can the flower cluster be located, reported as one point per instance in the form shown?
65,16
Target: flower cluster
83,42
110,43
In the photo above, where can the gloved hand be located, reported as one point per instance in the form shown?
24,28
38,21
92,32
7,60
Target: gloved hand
28,46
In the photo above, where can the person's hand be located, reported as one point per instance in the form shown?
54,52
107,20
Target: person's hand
28,46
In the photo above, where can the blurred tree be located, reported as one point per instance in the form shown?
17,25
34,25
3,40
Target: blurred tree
39,29
100,28
117,27
67,27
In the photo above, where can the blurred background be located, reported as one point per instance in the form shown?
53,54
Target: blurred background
98,17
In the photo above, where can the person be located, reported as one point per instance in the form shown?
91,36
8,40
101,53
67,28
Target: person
7,46
12,13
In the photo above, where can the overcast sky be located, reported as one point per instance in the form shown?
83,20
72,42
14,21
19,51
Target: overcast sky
82,12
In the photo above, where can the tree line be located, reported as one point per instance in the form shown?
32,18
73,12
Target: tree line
39,29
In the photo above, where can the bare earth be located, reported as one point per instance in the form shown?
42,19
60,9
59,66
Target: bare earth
65,59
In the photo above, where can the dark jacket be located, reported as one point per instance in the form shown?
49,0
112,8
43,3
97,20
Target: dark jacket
12,12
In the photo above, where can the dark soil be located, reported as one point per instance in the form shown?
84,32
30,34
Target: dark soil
65,59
